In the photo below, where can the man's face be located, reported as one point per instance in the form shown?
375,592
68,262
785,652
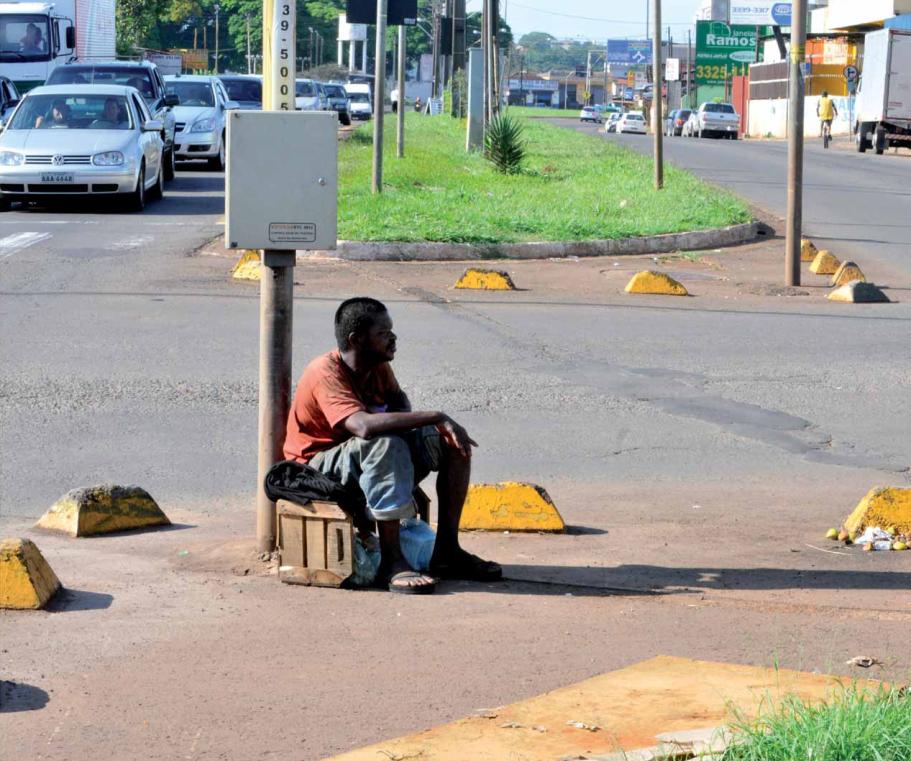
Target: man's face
378,345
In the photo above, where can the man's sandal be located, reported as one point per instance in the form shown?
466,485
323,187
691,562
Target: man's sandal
410,589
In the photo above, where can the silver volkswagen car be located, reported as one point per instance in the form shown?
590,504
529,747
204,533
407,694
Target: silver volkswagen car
81,140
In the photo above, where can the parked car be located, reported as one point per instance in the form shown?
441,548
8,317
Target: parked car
78,140
673,125
689,126
361,103
308,97
632,122
717,119
9,99
201,117
244,89
590,114
144,76
338,101
612,121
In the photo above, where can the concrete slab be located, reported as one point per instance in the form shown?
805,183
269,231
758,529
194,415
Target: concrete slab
626,710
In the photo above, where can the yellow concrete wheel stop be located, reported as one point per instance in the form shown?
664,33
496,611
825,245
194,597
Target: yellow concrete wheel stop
247,267
808,250
649,281
485,280
847,272
824,264
886,508
26,580
103,509
858,292
510,506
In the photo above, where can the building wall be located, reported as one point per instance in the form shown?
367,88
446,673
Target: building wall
769,118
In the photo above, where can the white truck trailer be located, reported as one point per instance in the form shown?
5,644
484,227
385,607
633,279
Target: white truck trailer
883,108
37,36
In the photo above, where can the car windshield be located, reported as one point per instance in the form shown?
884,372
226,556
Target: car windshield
137,77
634,118
683,114
359,97
335,91
23,37
247,90
192,93
305,89
719,108
76,111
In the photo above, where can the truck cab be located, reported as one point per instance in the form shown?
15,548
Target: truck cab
33,38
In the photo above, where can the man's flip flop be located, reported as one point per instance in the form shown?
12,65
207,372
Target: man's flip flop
410,589
468,567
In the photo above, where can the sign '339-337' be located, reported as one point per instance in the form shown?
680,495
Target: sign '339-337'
760,13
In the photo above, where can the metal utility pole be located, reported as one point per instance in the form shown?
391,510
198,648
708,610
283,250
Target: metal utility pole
276,288
795,142
379,97
485,54
459,99
657,78
249,59
217,8
493,24
588,77
400,116
435,51
689,48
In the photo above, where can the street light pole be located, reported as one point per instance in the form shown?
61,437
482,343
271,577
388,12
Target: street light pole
795,143
217,8
379,96
249,59
400,110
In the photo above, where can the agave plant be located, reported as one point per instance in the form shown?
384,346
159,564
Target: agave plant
503,144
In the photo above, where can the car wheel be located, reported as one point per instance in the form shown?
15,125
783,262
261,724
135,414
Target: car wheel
157,191
860,138
879,140
168,160
136,201
345,120
217,163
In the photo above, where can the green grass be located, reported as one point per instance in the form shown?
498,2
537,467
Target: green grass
572,187
544,113
856,725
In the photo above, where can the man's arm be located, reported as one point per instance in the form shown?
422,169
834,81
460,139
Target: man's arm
366,425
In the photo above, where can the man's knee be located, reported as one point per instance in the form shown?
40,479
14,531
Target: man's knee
384,448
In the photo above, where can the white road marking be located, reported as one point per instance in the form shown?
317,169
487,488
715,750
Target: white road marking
127,243
12,244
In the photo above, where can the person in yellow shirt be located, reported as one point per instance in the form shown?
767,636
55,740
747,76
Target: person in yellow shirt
826,111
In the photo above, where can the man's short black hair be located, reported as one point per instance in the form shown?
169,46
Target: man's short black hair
355,316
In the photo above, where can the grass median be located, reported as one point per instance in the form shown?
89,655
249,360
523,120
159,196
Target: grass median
573,187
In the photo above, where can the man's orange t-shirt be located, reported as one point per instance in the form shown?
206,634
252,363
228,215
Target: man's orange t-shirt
327,393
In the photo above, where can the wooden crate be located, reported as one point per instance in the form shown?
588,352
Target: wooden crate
315,544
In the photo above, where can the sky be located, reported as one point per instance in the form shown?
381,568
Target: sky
599,20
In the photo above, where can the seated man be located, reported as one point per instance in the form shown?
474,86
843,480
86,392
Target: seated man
111,117
351,420
32,43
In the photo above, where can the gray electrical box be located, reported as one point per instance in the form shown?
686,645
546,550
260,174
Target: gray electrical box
281,181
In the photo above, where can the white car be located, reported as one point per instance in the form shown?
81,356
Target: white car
82,140
590,114
308,96
201,117
632,122
359,99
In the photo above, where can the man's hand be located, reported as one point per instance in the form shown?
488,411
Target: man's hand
456,437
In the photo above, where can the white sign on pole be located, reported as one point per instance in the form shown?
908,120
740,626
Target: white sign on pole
350,32
284,24
760,12
672,69
167,63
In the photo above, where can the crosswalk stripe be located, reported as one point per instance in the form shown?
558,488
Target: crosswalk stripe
16,242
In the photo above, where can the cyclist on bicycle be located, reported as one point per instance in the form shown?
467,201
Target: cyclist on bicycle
826,111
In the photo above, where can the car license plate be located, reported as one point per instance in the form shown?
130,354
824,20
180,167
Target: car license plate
56,177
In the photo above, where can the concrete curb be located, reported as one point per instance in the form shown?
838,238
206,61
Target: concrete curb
391,251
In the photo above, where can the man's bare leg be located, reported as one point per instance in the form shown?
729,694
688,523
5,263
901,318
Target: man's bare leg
393,562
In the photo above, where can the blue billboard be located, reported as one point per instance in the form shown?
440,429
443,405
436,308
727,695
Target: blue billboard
629,52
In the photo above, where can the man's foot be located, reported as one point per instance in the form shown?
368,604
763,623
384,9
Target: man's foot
405,580
463,565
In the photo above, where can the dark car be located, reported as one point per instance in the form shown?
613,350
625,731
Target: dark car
673,125
145,77
338,101
9,98
244,89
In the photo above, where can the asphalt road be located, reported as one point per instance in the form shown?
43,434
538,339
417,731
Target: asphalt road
859,205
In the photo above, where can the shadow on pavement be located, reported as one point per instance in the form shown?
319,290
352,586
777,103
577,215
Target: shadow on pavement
68,600
16,696
651,579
